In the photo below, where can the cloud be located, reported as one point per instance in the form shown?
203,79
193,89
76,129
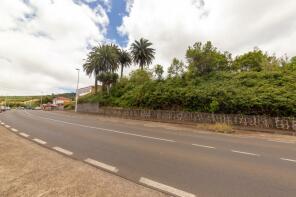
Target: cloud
235,26
42,42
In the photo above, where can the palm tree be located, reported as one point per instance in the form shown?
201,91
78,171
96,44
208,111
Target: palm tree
91,66
125,60
142,53
101,59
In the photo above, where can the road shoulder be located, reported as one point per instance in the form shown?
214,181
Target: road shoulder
27,169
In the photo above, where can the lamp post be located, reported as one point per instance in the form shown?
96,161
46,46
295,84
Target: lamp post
76,99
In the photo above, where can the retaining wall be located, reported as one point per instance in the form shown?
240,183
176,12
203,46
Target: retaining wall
284,124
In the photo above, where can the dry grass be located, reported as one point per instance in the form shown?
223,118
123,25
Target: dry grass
217,127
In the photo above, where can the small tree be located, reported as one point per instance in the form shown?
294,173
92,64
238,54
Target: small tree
158,70
206,58
177,68
125,60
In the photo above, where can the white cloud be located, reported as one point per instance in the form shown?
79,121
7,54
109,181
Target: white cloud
42,42
235,26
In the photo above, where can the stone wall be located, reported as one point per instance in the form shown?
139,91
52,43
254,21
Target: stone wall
88,107
284,124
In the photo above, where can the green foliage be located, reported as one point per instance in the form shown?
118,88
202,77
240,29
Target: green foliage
206,58
255,61
125,60
102,59
142,53
176,69
254,83
158,70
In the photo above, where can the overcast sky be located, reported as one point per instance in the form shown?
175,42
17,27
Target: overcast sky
43,41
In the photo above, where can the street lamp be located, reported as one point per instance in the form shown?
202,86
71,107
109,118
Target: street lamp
76,99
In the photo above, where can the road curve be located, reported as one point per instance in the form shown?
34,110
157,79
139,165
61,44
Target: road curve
179,163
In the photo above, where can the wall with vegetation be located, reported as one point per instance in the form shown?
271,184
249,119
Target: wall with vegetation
244,121
211,81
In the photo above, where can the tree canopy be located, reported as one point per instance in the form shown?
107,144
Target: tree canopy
208,81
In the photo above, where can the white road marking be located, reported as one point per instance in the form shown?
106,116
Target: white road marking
102,165
39,141
2,123
14,130
7,126
245,153
203,146
285,159
109,130
280,141
64,151
24,134
166,188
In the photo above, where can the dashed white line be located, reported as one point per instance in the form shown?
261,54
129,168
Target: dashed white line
203,146
245,153
101,165
2,123
291,160
64,151
14,130
7,126
39,141
109,130
164,187
24,134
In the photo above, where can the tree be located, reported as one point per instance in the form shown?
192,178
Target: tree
125,60
158,70
291,65
107,78
142,53
177,68
91,66
101,59
255,60
206,58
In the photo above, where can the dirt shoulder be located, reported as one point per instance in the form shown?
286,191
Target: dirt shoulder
27,169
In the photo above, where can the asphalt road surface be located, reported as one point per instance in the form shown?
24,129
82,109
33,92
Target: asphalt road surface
179,163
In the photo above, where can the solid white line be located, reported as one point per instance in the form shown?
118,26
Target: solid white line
39,141
245,153
14,130
280,141
24,134
285,159
101,165
64,151
109,130
7,126
203,146
166,188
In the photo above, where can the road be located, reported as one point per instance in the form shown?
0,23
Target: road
180,163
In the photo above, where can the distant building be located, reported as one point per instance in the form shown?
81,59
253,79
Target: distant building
48,107
88,90
61,101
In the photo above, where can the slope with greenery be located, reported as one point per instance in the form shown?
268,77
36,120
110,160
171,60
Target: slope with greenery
252,83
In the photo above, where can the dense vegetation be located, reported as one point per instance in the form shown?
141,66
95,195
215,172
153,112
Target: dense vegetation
210,81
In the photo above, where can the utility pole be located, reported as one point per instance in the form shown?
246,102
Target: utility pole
76,99
41,99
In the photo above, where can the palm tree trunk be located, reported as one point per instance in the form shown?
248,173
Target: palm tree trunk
121,74
96,84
